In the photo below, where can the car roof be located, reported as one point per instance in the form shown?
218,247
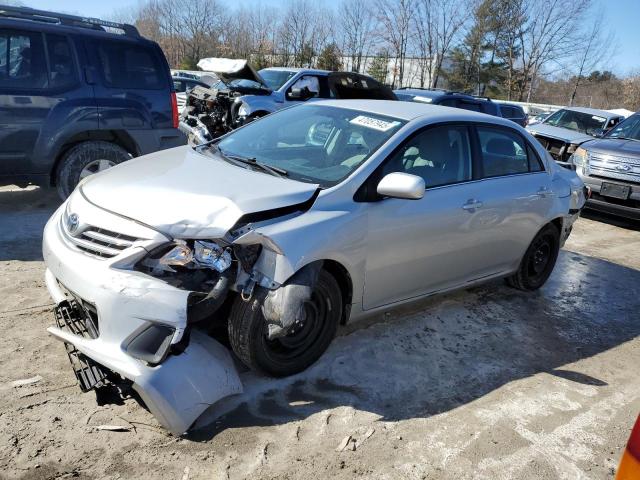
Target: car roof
592,111
298,70
409,111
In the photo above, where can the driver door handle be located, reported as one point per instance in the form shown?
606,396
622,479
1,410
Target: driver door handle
472,204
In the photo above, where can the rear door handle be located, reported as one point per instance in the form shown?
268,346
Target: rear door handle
472,204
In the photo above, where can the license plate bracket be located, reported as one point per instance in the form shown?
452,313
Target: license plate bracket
615,190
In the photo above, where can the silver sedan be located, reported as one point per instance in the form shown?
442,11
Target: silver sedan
281,230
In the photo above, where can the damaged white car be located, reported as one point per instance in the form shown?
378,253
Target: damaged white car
285,228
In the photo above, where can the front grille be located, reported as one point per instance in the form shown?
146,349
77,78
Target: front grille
614,166
554,146
99,242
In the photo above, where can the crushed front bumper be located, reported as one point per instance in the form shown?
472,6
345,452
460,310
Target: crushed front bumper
126,302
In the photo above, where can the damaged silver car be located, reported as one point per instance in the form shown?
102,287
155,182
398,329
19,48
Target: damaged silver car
282,230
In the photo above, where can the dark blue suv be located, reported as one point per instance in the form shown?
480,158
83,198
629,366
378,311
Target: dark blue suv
76,97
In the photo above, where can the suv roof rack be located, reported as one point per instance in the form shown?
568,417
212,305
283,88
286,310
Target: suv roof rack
423,88
26,13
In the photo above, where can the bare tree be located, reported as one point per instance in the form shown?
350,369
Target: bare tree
451,16
357,24
594,45
549,37
395,19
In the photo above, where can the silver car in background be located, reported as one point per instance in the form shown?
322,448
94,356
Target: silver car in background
563,131
286,228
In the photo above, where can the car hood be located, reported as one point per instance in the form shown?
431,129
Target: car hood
186,194
615,146
228,69
565,134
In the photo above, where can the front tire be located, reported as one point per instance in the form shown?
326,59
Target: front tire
301,347
85,159
538,261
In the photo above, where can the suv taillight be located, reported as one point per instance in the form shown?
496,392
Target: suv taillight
174,109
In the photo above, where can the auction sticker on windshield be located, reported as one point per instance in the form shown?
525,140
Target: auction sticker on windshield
375,123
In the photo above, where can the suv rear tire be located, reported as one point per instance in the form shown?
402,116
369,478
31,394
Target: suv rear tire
538,261
84,159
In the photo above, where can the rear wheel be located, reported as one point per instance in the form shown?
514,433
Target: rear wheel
85,159
305,342
538,261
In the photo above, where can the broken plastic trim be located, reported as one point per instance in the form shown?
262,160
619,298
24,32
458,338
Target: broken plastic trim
276,212
208,305
152,344
284,306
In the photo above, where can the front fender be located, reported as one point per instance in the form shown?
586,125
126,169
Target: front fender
259,103
291,244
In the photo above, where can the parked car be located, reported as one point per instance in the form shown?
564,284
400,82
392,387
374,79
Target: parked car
539,118
610,166
182,85
449,99
513,112
287,227
243,95
562,132
76,99
465,101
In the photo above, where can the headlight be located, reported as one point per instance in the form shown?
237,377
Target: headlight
572,148
579,156
204,254
243,111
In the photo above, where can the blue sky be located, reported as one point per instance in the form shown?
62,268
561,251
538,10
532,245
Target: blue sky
623,16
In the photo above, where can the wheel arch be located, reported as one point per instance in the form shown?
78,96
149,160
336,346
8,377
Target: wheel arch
119,137
557,222
342,276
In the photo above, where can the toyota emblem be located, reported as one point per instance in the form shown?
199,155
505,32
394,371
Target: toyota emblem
72,222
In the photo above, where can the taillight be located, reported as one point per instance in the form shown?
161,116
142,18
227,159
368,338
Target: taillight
174,109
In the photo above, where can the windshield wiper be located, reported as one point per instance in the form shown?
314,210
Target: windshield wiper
275,171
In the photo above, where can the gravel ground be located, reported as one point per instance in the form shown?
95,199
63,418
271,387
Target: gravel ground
485,383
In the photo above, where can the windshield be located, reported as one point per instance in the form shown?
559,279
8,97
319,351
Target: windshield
630,128
313,144
577,121
275,78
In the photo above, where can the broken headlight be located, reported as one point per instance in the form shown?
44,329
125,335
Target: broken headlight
203,254
243,111
579,157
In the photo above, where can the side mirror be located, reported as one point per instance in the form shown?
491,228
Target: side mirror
401,185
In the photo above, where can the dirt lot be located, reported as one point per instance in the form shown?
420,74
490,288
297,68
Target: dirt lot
487,383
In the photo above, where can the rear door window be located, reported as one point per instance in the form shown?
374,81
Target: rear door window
129,66
62,69
505,153
23,63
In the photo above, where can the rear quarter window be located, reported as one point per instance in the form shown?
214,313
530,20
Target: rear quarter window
130,66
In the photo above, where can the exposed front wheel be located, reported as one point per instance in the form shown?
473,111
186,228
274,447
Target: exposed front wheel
305,342
538,261
85,159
